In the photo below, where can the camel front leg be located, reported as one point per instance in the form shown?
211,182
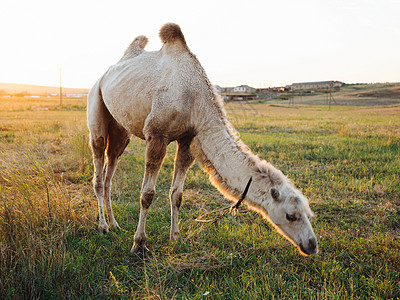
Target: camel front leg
183,160
155,152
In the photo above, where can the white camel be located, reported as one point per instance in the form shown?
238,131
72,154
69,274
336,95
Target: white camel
165,96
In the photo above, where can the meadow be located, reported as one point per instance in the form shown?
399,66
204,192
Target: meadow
346,161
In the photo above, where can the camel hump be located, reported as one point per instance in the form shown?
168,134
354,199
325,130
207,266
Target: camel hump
140,41
170,33
136,47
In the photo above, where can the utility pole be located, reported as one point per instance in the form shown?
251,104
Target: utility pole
329,94
60,89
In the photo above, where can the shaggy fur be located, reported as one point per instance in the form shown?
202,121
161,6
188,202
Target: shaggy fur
165,96
171,32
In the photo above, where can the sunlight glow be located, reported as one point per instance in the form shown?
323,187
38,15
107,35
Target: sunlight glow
259,43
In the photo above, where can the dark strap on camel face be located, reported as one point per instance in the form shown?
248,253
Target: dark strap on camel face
236,206
232,208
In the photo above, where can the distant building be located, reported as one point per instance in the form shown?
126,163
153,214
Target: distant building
313,86
238,93
244,89
278,89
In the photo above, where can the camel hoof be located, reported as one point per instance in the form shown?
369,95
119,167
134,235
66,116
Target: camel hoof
175,236
104,228
136,248
115,226
139,248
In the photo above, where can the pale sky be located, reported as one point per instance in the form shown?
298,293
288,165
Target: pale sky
260,43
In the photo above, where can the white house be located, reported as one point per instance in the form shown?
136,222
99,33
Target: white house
244,89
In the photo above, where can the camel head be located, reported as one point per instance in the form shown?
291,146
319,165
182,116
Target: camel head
288,210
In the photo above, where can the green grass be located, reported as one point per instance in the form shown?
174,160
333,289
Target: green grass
346,161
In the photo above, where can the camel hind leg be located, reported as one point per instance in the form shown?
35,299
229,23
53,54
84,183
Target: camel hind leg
118,139
98,144
106,136
98,120
183,160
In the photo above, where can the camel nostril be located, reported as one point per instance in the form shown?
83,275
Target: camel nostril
312,244
303,249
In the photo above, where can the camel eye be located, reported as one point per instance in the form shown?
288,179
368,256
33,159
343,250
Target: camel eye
291,218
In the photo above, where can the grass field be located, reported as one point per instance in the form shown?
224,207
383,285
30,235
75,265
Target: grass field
346,161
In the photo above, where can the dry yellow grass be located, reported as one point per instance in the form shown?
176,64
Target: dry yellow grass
45,193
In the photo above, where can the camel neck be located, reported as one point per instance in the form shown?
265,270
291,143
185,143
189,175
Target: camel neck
227,162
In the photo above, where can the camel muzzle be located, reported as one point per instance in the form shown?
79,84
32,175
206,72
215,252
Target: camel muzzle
310,248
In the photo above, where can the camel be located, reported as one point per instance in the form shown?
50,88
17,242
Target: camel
165,96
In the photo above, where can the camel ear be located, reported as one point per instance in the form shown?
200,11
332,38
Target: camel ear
275,194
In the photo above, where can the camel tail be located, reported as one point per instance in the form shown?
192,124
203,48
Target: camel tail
170,33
